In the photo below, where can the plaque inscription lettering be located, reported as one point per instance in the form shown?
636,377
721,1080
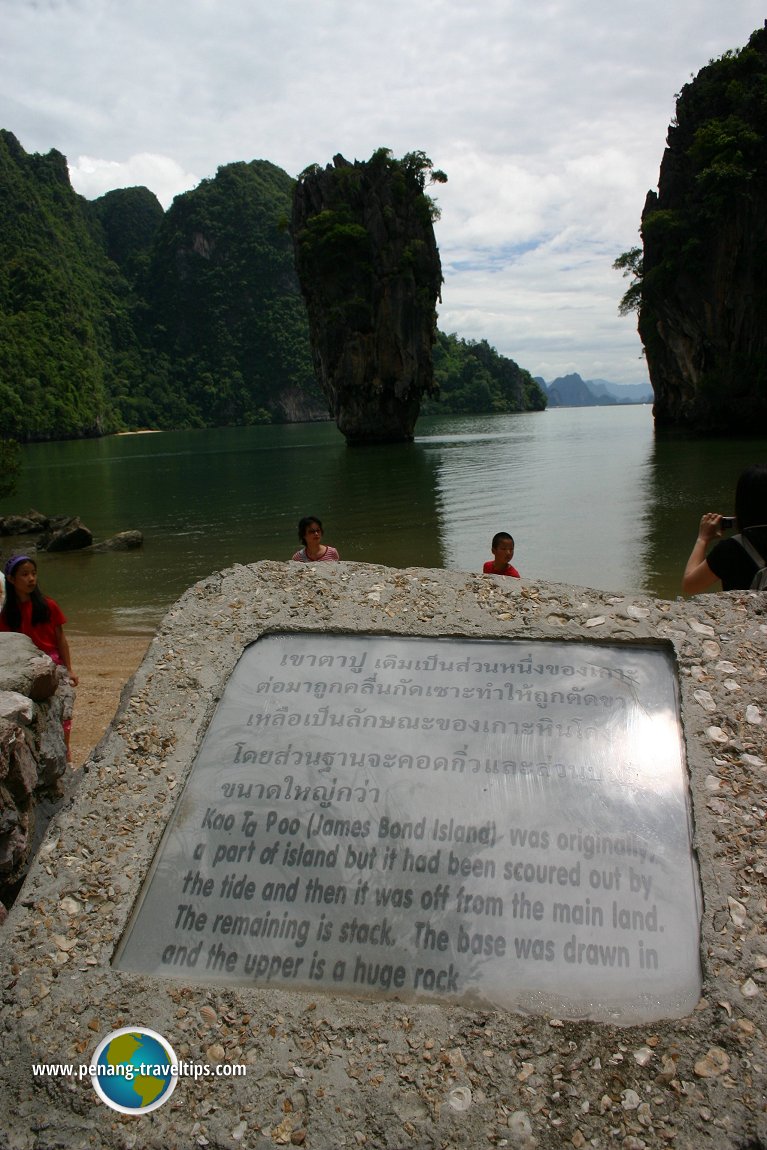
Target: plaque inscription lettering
492,823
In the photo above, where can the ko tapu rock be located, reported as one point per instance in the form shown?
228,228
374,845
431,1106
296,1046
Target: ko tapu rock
370,273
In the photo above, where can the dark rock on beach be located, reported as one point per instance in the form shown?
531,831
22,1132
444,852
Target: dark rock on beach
65,533
30,524
71,535
123,541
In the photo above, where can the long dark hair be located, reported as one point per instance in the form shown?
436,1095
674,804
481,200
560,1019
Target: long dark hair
751,497
11,611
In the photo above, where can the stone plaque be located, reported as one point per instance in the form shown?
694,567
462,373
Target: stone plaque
490,823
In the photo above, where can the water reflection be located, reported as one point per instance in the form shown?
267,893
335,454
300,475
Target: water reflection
205,500
384,502
591,497
570,485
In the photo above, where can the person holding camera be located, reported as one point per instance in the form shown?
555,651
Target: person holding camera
737,562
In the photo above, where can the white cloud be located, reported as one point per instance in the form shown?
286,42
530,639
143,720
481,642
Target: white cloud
165,177
549,119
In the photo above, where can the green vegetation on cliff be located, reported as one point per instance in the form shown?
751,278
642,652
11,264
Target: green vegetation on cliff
57,292
370,274
225,313
474,377
699,282
115,314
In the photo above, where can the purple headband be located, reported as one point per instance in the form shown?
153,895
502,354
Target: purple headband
13,563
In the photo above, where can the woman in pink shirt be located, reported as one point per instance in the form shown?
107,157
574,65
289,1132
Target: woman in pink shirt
313,550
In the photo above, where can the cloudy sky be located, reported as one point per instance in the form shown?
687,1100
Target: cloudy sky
549,118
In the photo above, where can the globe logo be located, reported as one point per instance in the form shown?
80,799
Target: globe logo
134,1070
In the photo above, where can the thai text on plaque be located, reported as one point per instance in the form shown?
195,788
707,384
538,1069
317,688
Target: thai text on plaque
492,823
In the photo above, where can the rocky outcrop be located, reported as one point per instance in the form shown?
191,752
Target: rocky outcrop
65,533
703,279
24,667
123,541
32,756
69,535
33,523
370,273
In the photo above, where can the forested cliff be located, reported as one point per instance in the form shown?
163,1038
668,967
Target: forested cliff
115,314
701,277
58,293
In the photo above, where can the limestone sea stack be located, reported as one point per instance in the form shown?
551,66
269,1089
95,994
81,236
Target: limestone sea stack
370,273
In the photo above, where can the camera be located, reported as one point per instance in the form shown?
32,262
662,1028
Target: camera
727,523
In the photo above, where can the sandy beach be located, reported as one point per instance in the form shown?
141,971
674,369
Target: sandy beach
103,664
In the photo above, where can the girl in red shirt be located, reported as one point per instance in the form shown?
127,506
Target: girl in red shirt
27,610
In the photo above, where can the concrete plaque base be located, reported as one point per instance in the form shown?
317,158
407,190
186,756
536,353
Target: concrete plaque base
491,823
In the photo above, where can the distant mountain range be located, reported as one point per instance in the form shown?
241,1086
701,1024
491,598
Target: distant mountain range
572,391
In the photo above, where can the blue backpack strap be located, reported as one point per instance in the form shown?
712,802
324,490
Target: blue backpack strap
750,550
759,582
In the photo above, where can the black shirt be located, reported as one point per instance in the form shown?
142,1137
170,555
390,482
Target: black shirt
731,563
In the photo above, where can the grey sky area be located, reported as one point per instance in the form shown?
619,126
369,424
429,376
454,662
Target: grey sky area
549,119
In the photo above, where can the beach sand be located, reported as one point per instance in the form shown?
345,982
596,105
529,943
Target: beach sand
103,665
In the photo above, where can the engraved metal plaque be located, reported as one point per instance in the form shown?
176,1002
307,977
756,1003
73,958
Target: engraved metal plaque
491,823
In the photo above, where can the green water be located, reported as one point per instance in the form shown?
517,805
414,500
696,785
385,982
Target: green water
589,494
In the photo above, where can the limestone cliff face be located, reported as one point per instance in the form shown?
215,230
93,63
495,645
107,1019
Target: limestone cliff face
370,273
704,274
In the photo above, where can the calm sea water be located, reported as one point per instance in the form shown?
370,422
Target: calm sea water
590,495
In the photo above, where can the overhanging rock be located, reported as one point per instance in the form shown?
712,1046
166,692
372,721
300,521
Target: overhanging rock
426,1067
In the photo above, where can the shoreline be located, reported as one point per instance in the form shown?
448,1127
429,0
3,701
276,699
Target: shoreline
103,665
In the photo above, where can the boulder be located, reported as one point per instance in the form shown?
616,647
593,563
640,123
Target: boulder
32,755
24,667
123,541
66,533
30,524
15,707
18,777
72,535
